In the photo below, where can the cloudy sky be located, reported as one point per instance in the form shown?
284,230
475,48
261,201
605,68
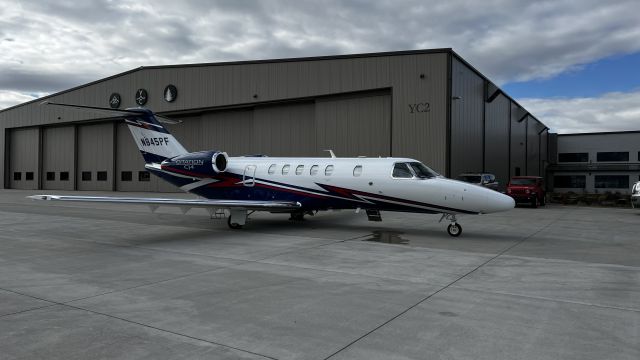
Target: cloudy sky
574,64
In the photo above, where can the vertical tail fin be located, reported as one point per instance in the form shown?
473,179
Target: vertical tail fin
154,141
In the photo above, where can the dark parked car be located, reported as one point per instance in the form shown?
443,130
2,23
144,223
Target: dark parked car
528,189
486,180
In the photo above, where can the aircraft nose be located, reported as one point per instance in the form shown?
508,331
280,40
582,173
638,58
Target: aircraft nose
499,202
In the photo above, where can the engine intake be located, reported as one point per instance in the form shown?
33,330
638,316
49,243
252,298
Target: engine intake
198,163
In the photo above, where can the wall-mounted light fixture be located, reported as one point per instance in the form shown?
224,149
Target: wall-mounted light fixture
456,97
421,76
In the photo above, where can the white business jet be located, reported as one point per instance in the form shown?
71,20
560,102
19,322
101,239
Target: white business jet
297,186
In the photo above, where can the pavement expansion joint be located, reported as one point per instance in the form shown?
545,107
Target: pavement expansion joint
523,239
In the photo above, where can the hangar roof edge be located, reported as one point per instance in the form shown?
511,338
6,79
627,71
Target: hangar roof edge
242,62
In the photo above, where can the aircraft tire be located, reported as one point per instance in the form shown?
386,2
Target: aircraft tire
233,226
454,230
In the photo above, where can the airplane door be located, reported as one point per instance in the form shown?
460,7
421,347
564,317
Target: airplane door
249,176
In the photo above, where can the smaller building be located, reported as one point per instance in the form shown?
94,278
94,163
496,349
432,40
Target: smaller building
596,162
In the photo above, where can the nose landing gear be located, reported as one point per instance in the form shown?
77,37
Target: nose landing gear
454,229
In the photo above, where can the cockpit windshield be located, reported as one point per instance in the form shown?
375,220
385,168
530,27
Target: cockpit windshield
422,171
413,169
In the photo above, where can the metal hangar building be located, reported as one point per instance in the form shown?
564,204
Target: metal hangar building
430,105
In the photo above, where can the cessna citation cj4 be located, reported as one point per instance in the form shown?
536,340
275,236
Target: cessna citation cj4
297,186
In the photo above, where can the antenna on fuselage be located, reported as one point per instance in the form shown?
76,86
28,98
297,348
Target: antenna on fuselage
333,156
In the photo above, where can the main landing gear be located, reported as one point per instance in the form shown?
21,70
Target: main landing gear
237,218
454,229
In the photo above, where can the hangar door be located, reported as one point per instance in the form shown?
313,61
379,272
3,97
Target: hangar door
95,157
357,125
58,157
23,158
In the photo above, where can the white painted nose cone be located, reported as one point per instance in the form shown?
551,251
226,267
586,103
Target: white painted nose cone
499,202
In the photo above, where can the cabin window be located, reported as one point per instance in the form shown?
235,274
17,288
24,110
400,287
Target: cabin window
102,176
144,176
401,170
357,171
126,176
51,176
17,176
285,169
328,170
86,176
64,176
314,170
272,169
299,169
28,175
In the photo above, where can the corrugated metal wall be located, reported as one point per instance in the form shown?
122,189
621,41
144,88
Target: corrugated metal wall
533,146
518,141
544,152
24,147
58,158
353,126
467,111
419,133
284,130
95,156
384,105
497,144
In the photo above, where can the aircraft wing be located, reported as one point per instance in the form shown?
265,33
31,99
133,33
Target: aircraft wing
181,203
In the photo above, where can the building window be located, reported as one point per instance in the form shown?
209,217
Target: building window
613,156
612,181
570,181
144,176
638,155
314,170
102,176
28,175
573,157
285,169
51,176
126,176
86,176
357,171
64,176
299,169
328,170
17,176
272,169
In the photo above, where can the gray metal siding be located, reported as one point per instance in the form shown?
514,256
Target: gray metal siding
95,153
230,131
24,150
420,135
533,147
544,152
58,155
353,126
497,145
518,141
285,130
129,159
467,107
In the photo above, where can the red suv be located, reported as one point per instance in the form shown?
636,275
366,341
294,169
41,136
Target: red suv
527,189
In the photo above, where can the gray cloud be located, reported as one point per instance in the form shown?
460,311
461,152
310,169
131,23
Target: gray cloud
58,44
610,112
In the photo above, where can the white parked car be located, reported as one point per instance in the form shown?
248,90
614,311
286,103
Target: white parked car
635,196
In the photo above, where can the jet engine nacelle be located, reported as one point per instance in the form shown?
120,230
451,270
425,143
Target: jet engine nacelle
202,162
